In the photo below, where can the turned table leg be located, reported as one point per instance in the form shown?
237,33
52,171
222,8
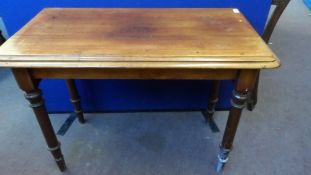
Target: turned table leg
245,83
34,96
212,101
75,99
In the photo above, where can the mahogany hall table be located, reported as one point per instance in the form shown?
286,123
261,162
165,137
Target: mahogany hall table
194,44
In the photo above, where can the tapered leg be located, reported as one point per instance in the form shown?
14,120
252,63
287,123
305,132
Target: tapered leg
212,101
33,95
75,99
245,83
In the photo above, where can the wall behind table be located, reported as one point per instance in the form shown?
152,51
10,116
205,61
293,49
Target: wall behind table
119,95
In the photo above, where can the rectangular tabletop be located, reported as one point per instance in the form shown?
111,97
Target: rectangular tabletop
137,38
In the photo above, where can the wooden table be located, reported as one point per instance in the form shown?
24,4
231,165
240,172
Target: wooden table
209,44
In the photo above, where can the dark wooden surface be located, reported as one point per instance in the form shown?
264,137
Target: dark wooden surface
33,94
245,84
72,44
147,73
75,99
138,38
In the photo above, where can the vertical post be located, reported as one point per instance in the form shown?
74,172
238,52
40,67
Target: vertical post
212,101
75,99
245,83
34,96
252,99
2,39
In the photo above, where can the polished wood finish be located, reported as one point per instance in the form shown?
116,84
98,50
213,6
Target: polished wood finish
159,74
137,38
245,83
165,44
33,95
75,99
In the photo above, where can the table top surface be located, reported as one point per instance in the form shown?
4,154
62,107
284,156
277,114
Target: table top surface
138,38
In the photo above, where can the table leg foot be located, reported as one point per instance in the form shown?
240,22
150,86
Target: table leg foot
223,158
80,116
58,157
61,165
75,99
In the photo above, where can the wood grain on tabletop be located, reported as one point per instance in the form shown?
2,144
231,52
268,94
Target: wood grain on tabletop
137,38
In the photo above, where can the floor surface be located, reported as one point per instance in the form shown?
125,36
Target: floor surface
275,139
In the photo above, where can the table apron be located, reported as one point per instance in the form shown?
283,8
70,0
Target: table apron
141,74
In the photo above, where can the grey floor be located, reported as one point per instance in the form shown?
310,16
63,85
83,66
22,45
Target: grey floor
274,139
